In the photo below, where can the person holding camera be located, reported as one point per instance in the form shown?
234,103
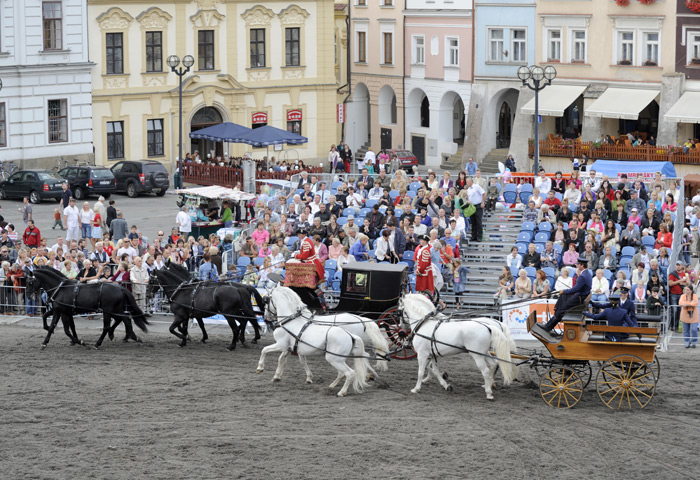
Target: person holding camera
688,304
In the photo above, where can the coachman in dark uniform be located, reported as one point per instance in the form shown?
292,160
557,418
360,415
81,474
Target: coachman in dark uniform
615,316
573,296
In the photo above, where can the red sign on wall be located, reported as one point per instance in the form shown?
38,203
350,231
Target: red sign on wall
260,117
294,116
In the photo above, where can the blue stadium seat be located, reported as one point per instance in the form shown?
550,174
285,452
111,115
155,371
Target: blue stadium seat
531,271
539,247
414,186
393,194
625,262
243,261
525,196
549,271
522,248
528,226
558,196
510,193
370,203
525,237
628,252
514,271
541,237
348,211
411,194
336,184
544,227
259,262
526,187
342,221
648,241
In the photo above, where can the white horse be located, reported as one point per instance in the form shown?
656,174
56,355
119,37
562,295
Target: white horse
365,328
475,336
296,331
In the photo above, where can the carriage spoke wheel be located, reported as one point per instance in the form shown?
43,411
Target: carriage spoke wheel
561,387
390,322
626,382
584,371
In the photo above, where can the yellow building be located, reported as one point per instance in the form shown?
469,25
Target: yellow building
254,63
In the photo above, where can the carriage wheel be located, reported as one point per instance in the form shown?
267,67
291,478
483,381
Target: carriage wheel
656,368
626,382
561,387
398,336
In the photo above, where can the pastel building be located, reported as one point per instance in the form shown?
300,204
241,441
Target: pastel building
376,106
45,101
438,58
271,63
504,40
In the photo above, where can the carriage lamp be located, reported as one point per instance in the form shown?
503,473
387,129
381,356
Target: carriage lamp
536,78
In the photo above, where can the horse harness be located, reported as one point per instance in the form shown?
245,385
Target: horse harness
434,342
76,291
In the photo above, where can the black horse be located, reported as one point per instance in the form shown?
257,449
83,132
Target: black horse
200,300
68,297
243,319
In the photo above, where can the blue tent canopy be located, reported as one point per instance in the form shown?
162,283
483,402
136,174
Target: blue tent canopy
615,168
223,132
269,135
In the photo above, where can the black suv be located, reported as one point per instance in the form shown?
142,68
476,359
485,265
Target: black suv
88,180
135,177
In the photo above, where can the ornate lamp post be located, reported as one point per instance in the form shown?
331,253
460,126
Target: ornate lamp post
533,77
173,63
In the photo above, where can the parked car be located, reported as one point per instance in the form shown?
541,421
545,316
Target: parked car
406,158
35,184
87,180
136,177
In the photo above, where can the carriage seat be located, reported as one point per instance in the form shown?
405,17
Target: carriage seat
646,318
597,337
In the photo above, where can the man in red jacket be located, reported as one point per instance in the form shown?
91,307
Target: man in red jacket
32,235
424,267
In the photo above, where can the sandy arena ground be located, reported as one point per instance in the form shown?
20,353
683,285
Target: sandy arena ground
156,411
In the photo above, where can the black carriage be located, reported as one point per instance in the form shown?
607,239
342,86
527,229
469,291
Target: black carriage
371,290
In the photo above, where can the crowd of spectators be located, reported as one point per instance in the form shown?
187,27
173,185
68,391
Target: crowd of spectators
625,229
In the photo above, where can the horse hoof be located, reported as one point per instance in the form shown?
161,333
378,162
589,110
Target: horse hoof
449,388
138,340
125,340
255,341
276,379
489,397
309,381
96,347
43,346
415,390
341,394
445,376
259,370
204,340
189,338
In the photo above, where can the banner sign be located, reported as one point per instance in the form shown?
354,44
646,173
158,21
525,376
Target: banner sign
260,117
613,169
515,315
294,116
341,113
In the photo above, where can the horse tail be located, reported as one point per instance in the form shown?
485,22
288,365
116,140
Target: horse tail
359,383
379,342
136,313
501,343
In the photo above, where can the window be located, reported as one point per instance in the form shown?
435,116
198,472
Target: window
651,49
361,3
3,126
58,121
626,48
115,53
362,47
52,25
578,52
694,47
257,47
291,42
554,46
115,140
387,3
388,48
205,40
452,52
155,137
419,50
519,47
154,51
496,45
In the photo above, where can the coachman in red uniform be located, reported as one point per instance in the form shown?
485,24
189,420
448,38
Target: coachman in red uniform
424,266
307,254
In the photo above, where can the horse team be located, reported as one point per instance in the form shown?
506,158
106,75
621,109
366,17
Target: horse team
339,337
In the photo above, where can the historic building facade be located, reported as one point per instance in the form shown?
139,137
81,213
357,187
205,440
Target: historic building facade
45,101
376,107
254,64
504,40
438,64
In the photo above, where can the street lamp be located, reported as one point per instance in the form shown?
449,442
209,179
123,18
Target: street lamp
532,77
173,63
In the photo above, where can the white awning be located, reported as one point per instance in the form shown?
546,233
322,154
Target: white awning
686,109
554,99
625,103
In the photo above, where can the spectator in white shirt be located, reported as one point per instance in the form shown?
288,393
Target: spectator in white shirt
543,182
354,200
514,259
184,221
71,216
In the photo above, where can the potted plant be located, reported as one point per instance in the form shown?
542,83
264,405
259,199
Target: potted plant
622,3
624,62
693,5
646,2
597,144
650,63
695,61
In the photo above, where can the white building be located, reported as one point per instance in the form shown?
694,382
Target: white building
46,96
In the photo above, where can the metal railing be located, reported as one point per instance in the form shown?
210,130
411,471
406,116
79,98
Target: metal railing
643,153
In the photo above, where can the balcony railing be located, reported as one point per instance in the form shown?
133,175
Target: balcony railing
203,174
594,150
